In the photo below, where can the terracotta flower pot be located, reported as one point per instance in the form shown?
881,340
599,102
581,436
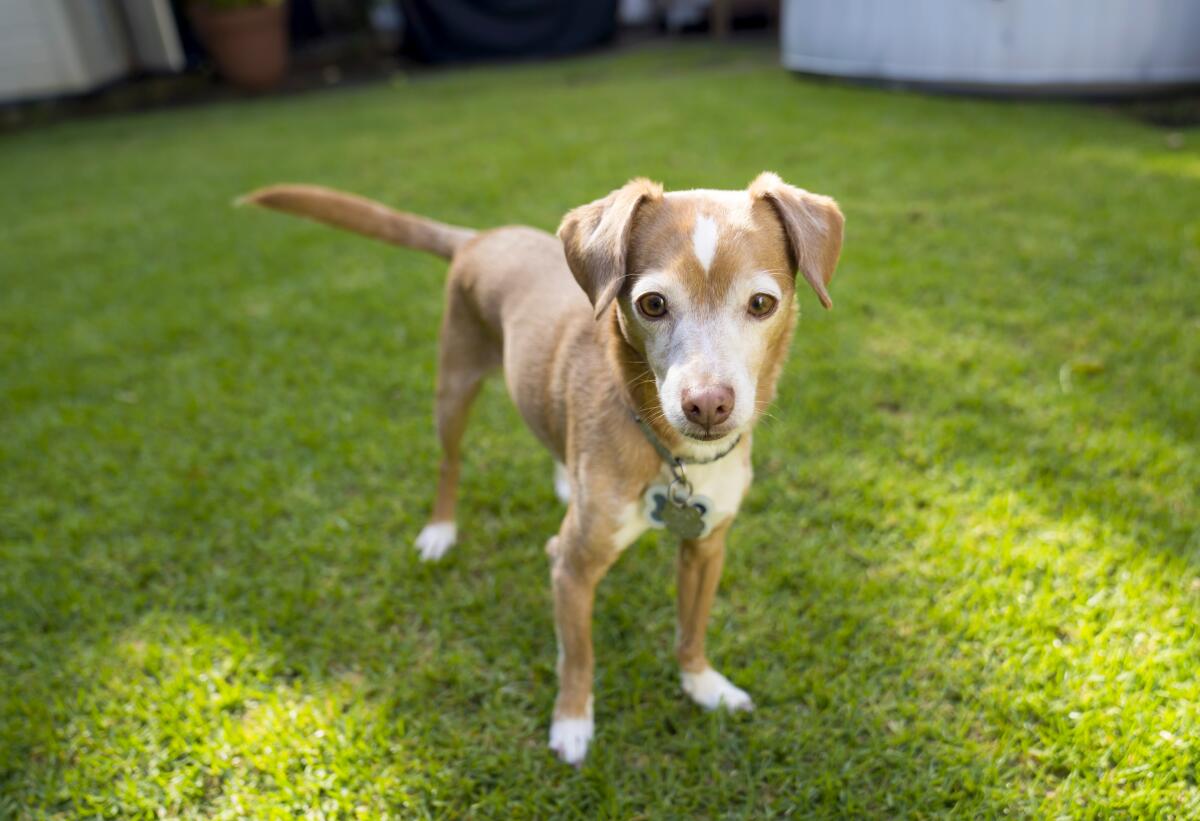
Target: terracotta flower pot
249,45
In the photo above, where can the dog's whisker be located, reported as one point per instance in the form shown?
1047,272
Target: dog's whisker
640,374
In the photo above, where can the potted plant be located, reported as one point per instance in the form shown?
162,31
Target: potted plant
246,38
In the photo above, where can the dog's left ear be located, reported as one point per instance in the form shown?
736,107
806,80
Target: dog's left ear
814,229
595,238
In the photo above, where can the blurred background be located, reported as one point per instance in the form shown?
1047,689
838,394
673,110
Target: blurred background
177,48
119,54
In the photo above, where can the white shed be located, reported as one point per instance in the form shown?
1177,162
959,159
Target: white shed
51,47
1084,46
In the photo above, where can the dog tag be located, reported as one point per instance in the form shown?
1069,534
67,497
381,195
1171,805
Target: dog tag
684,521
688,519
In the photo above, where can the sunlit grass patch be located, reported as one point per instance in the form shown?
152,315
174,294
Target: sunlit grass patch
181,718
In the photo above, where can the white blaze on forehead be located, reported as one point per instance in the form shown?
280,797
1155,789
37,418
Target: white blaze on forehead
704,240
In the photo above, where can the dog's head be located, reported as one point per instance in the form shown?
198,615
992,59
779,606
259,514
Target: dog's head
704,284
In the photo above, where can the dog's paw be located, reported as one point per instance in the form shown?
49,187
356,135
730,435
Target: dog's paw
435,539
562,483
569,739
711,690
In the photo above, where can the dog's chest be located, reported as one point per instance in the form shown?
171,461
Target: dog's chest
722,483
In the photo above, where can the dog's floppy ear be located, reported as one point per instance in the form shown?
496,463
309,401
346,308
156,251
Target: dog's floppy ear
814,229
595,238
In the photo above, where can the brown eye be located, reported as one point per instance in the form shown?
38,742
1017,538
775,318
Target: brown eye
762,305
652,305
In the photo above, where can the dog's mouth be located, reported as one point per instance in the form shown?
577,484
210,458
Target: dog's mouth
707,435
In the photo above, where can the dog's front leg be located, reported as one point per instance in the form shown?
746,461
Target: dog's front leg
576,568
699,570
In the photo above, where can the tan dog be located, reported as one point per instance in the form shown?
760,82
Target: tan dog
675,309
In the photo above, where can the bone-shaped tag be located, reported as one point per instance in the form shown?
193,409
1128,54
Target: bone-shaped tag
689,519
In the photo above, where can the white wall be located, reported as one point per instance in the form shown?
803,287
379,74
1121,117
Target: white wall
50,47
1064,43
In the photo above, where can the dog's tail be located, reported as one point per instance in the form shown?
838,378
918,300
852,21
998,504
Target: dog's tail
362,216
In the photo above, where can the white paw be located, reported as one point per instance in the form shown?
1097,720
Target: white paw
711,690
435,539
569,738
562,483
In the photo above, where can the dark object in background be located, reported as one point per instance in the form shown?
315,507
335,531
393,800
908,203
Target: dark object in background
248,43
303,27
440,31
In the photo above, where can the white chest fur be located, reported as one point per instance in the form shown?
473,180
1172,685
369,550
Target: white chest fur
724,482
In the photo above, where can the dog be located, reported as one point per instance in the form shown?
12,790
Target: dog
640,346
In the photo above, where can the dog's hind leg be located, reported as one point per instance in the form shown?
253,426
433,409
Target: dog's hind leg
467,354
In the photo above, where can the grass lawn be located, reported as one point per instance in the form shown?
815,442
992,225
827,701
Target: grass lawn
966,581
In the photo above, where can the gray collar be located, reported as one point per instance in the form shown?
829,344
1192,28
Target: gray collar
672,461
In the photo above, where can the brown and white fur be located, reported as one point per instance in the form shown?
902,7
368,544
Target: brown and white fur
567,320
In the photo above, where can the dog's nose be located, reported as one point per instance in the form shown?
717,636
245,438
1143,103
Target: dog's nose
708,406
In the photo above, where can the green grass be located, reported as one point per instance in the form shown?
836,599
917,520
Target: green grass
967,580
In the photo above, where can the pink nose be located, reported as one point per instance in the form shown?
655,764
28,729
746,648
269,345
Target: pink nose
709,405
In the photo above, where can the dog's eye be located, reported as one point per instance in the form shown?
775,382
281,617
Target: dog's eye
762,305
652,305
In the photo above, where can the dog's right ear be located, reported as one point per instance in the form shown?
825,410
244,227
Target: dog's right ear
595,238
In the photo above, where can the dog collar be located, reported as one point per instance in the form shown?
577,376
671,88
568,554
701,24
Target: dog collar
677,507
671,459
